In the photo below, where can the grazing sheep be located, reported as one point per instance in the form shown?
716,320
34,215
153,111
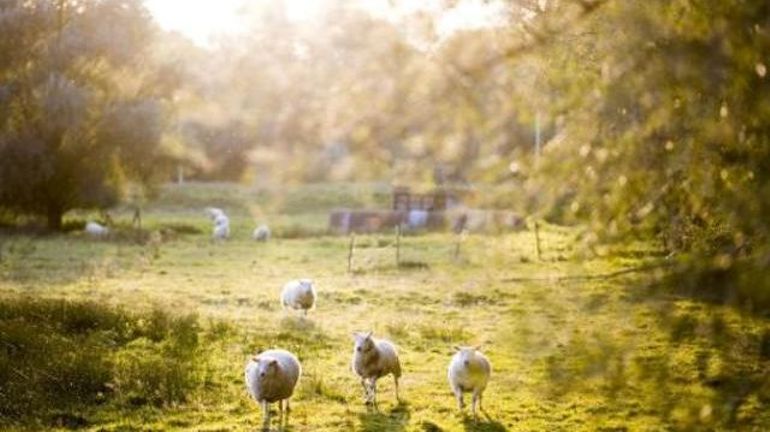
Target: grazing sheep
372,359
261,233
221,227
214,212
298,294
271,377
221,219
469,371
96,230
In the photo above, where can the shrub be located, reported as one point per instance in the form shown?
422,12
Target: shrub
58,355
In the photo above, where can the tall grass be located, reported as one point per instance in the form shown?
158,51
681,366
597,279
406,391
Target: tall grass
58,355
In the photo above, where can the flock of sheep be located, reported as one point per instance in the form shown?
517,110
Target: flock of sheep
220,230
272,375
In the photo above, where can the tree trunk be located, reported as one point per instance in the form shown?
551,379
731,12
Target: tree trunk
54,216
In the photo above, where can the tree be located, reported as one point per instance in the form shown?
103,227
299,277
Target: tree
666,134
82,110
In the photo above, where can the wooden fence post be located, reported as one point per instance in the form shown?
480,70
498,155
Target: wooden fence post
459,241
398,245
350,251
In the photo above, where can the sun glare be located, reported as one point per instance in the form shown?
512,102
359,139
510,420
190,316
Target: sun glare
200,20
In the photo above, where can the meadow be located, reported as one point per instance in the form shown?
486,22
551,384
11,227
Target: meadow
575,342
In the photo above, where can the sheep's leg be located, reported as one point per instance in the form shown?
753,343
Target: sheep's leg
395,378
284,410
481,397
366,390
459,396
265,414
476,401
374,392
286,414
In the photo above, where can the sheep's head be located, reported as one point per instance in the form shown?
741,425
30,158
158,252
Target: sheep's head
214,212
307,285
363,342
466,354
266,367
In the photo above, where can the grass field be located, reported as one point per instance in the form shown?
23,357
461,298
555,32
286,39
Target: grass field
569,352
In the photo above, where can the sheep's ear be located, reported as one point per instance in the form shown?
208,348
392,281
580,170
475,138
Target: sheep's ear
255,359
478,347
355,335
368,334
457,347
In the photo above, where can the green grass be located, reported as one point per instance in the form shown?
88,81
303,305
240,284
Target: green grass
568,355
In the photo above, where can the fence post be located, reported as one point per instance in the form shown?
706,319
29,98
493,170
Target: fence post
398,245
460,236
350,251
537,239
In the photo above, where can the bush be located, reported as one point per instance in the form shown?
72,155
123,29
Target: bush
59,355
152,373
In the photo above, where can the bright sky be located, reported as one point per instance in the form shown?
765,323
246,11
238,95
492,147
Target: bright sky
201,19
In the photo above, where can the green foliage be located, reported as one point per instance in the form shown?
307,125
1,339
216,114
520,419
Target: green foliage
667,135
635,350
58,356
79,116
664,133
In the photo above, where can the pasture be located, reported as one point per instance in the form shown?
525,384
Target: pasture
574,345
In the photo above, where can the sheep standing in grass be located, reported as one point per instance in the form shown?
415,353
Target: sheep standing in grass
469,371
96,230
271,377
298,294
221,227
214,212
372,359
261,233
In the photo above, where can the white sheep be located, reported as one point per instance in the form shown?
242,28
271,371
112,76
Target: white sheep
96,230
469,371
261,233
214,212
372,359
221,219
271,377
221,229
298,294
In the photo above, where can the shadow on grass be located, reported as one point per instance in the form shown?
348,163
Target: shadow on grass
277,422
686,337
395,420
484,424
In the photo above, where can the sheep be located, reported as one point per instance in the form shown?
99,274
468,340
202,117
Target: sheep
469,371
261,233
214,212
221,229
221,219
271,376
298,294
96,230
372,359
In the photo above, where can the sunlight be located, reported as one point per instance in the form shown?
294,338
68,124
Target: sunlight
201,20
